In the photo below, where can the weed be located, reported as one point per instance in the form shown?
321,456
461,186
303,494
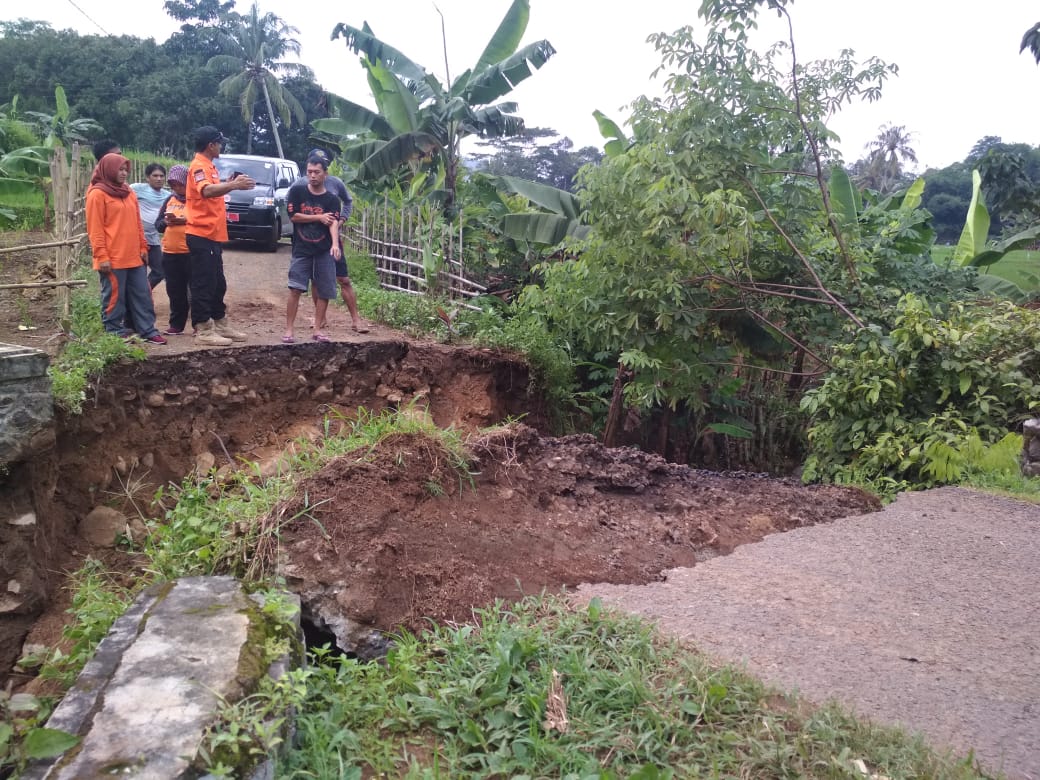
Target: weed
24,315
97,600
22,737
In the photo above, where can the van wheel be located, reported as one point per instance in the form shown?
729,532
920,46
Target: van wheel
272,242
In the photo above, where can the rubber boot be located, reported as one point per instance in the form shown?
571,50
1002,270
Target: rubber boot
223,327
208,336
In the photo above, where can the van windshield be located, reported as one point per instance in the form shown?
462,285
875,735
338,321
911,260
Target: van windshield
262,171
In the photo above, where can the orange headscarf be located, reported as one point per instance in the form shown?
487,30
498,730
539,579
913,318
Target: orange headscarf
105,175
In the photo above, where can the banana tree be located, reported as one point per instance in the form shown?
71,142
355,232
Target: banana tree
972,248
24,171
59,128
418,120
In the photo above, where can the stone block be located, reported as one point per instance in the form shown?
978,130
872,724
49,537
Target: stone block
159,678
26,405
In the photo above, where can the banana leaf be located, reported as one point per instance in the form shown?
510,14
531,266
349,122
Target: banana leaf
541,228
508,35
976,226
990,256
365,42
558,201
845,200
500,79
396,152
608,128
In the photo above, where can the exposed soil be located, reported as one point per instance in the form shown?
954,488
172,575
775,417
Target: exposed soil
395,537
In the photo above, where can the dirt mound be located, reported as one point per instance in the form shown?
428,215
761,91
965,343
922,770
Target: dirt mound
395,537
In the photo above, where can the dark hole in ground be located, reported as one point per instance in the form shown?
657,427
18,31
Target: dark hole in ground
404,539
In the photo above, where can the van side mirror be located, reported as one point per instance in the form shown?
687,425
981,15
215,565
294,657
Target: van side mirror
283,183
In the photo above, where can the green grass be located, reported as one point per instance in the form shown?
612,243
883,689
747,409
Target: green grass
475,701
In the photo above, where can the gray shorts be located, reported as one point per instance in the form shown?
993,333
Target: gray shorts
321,269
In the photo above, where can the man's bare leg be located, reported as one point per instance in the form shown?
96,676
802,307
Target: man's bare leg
350,297
291,307
321,307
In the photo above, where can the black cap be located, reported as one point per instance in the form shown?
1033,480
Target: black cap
207,134
320,153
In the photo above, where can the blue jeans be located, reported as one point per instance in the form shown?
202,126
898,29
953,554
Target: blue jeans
155,265
123,291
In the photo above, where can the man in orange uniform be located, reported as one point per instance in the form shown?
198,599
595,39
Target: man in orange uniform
205,233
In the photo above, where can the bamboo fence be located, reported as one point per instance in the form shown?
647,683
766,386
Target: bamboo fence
69,175
413,256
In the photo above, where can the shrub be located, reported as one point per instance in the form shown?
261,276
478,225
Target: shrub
898,408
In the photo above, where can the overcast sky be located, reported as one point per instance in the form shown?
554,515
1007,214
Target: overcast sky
961,75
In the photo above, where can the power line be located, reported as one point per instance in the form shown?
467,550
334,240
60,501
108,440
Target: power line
89,19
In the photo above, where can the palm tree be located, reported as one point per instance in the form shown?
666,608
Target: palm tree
1031,41
253,45
419,120
883,168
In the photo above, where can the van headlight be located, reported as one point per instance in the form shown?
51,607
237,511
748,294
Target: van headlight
260,202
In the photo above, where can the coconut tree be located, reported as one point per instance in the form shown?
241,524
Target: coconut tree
886,155
418,119
1031,41
253,47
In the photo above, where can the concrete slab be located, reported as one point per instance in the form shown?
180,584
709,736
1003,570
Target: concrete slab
157,681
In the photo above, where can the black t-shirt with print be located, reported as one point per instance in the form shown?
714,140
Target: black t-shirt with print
311,238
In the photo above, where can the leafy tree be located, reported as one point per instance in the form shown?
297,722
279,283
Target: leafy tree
522,156
419,120
716,245
205,11
1011,185
947,195
252,47
983,145
153,95
23,28
900,405
196,40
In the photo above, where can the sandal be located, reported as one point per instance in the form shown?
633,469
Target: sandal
361,328
288,340
320,337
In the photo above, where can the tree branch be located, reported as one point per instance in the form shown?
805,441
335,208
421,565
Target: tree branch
805,261
815,148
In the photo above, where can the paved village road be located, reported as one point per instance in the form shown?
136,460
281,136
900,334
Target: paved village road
926,614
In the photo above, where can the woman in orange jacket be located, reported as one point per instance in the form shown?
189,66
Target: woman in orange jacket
171,224
120,250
